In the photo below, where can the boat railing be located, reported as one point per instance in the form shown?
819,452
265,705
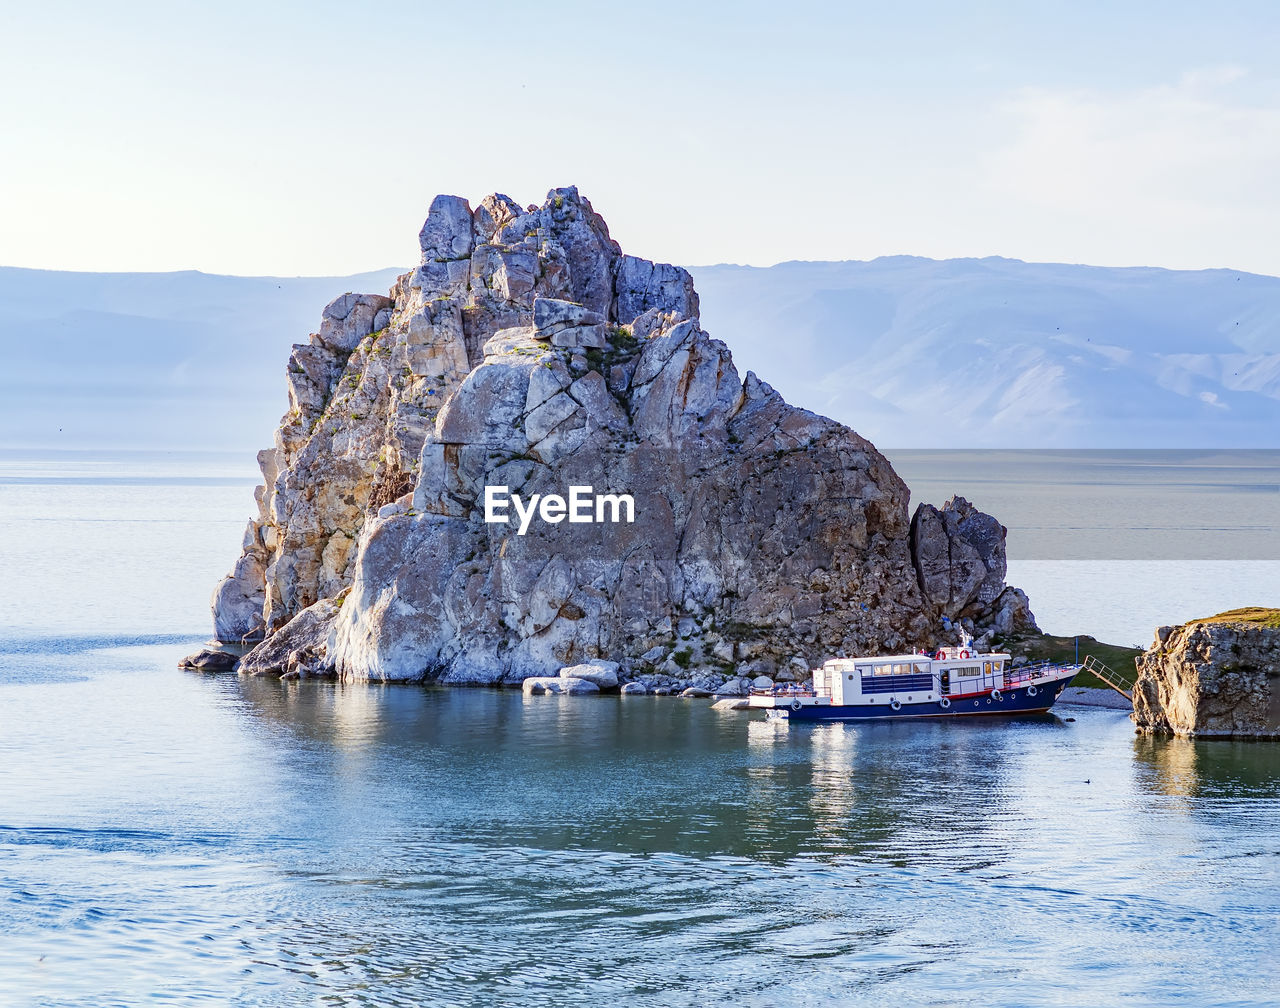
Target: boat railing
1035,670
1012,678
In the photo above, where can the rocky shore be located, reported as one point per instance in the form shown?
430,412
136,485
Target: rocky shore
527,352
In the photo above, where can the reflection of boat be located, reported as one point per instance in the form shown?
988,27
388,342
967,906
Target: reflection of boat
953,682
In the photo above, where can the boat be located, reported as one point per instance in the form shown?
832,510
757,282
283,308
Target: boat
951,682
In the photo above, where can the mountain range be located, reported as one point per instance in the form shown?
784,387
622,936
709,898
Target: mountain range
911,352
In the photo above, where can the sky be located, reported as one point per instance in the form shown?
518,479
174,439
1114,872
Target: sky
308,138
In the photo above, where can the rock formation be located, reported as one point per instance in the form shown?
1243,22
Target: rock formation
526,351
960,562
1213,677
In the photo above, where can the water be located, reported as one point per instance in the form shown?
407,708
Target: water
1117,543
186,839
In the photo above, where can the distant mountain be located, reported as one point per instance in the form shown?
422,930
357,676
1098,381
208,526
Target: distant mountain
153,360
996,352
910,352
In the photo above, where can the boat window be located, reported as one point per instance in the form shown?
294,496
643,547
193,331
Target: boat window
966,670
986,667
864,669
922,669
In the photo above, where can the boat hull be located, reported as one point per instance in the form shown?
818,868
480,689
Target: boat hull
1016,700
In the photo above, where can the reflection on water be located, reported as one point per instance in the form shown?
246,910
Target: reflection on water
268,843
1168,767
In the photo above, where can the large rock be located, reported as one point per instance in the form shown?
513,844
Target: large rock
603,673
298,648
1218,677
526,351
960,562
557,686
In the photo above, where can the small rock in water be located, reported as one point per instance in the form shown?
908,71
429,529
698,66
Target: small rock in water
207,660
634,689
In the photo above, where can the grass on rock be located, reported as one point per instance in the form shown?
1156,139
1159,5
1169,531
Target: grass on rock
1257,616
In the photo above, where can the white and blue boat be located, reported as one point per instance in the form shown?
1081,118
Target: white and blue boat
952,682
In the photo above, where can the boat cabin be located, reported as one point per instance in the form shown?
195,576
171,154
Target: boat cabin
909,678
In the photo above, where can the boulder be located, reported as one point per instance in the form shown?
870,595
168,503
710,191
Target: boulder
695,691
347,320
732,704
758,667
1215,677
551,315
603,673
580,338
300,646
557,686
633,689
762,682
207,660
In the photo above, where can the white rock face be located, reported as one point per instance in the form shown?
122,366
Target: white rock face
526,351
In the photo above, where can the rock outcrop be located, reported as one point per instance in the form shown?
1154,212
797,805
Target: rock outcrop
1214,677
527,352
960,562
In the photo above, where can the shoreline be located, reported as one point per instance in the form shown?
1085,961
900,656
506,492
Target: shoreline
1088,696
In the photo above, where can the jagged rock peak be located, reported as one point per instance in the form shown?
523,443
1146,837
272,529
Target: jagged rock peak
366,390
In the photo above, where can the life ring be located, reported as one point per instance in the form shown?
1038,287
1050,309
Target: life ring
895,704
995,695
796,705
1032,691
940,655
964,654
944,703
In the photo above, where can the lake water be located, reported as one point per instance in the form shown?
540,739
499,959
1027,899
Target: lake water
186,839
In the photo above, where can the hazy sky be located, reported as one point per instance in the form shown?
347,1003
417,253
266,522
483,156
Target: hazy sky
309,138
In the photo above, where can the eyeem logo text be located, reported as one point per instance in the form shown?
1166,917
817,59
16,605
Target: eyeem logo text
584,506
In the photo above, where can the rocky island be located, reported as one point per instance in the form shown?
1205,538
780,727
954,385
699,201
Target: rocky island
1213,677
526,351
